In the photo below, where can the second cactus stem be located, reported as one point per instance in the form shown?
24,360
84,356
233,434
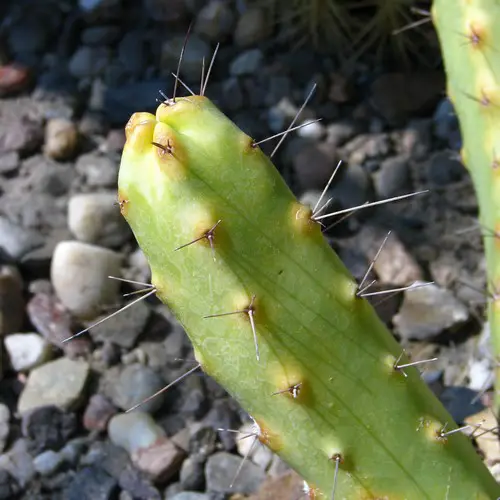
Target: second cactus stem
470,41
276,319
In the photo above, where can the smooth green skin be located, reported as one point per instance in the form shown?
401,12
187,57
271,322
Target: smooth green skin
469,35
312,328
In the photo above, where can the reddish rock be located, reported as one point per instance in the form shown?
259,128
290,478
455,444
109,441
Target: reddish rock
284,487
98,412
13,79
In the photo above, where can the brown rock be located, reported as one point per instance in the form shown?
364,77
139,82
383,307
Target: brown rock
61,139
341,88
400,96
314,164
159,461
11,300
14,78
98,412
284,487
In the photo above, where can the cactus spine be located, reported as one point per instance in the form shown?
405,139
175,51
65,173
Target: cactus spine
469,37
275,318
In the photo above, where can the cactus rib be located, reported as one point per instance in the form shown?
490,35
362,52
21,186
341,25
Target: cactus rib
469,39
326,390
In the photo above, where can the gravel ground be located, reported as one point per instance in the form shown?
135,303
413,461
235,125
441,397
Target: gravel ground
71,73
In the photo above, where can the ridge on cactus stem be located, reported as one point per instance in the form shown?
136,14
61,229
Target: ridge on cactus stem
469,40
275,317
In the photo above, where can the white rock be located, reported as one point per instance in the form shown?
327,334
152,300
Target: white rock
311,129
95,218
79,274
481,375
26,350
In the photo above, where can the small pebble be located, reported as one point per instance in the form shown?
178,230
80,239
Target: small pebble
98,413
61,139
79,273
26,350
48,462
11,300
4,426
46,386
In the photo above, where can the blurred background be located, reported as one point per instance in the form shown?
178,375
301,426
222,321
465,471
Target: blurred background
71,74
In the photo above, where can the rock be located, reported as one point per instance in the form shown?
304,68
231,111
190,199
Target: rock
96,218
189,495
341,88
215,21
98,171
445,168
134,385
61,139
313,165
247,63
221,469
486,441
11,299
192,474
196,50
52,321
393,177
459,402
481,374
18,463
337,134
366,146
100,35
394,266
26,350
252,27
21,127
159,11
92,483
223,416
4,426
9,162
121,101
352,188
46,386
400,96
132,52
145,441
8,486
124,328
446,125
134,431
79,273
252,449
89,62
48,462
284,487
14,78
311,130
16,241
48,428
416,139
428,311
98,413
137,485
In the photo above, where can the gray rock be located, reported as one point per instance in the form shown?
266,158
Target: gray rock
132,52
98,171
134,431
79,274
26,350
134,385
160,11
47,386
124,328
446,125
192,474
428,311
189,495
9,162
393,177
215,21
89,62
445,168
4,426
221,469
247,63
92,483
252,27
11,300
95,218
196,50
8,486
18,463
16,241
48,462
100,35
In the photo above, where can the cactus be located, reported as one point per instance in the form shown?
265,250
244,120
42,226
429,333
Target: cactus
468,36
276,319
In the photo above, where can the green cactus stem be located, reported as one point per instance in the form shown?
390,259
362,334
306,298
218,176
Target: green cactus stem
470,40
243,265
